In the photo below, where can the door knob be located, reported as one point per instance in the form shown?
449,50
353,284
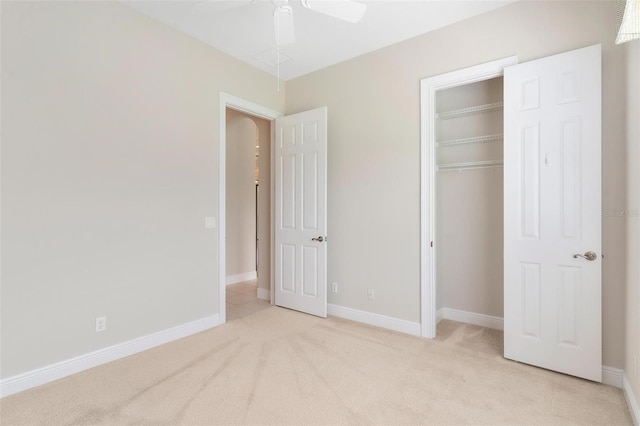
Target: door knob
590,256
318,239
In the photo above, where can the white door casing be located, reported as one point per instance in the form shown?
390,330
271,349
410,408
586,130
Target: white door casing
429,87
300,222
552,211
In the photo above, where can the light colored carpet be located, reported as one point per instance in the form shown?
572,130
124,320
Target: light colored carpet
283,367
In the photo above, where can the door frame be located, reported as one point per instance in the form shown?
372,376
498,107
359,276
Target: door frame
229,101
428,89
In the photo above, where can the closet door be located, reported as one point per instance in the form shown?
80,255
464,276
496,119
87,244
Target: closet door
552,213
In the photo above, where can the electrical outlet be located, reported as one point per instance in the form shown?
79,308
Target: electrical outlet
371,294
101,324
334,287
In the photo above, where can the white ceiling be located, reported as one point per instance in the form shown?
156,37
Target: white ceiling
245,30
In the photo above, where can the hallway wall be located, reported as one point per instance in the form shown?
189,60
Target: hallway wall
242,138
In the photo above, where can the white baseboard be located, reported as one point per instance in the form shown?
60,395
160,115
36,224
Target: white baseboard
395,324
612,376
264,294
240,278
40,376
439,315
632,401
482,320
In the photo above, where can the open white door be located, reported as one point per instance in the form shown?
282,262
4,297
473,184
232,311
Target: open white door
552,213
300,233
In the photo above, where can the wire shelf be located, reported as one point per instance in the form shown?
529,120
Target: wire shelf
476,139
470,110
470,165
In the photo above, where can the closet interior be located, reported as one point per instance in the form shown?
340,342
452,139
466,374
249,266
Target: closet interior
469,199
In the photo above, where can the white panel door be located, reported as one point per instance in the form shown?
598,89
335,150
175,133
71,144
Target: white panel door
552,213
301,212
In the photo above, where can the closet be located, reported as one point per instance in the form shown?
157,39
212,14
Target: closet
511,224
468,211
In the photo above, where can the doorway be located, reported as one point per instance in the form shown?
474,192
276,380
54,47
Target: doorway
264,279
247,214
469,95
298,270
469,204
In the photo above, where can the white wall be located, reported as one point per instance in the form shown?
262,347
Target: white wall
242,138
374,154
632,214
109,166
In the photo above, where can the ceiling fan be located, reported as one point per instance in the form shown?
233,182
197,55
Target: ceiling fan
347,10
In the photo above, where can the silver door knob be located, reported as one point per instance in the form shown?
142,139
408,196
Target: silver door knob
318,239
590,256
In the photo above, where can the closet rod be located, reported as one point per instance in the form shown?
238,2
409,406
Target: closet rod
470,165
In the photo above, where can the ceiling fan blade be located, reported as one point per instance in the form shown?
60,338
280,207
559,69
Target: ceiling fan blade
347,10
283,25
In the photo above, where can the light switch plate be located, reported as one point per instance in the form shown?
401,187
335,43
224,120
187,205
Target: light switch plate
210,222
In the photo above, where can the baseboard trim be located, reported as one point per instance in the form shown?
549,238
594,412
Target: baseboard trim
383,321
439,315
239,278
482,320
612,376
264,294
43,375
632,401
